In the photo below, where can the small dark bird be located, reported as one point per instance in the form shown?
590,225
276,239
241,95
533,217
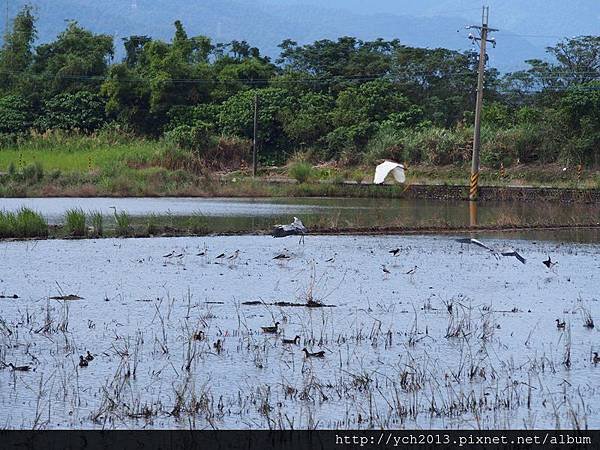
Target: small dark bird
272,329
218,346
560,325
596,358
168,255
308,354
201,254
82,361
89,356
198,336
385,269
222,255
549,264
282,256
19,368
395,251
294,341
412,271
234,255
332,259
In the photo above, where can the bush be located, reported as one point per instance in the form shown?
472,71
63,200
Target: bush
33,173
123,222
437,146
75,222
195,138
301,171
97,221
522,143
23,224
79,111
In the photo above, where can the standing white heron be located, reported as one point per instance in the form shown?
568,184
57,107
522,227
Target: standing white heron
383,169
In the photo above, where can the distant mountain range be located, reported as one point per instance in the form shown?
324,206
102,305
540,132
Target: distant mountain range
526,27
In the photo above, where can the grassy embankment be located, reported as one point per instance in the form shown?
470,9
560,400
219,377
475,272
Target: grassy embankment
58,165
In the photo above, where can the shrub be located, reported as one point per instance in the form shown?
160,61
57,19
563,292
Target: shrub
33,173
301,171
25,223
123,222
75,222
97,221
152,227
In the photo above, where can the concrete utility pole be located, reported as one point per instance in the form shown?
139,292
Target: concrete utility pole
484,30
254,140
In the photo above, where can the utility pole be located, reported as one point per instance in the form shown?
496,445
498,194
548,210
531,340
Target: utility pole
254,140
484,30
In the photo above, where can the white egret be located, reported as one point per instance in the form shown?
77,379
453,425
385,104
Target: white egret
383,169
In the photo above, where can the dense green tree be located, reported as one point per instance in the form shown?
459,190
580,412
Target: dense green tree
237,113
15,114
82,110
77,60
16,54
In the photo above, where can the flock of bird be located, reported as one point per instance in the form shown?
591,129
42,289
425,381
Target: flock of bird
297,228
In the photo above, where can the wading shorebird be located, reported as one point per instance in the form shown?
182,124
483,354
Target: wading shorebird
82,361
89,356
549,263
308,354
19,368
294,341
272,329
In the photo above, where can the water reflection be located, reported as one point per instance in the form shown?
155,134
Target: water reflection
231,214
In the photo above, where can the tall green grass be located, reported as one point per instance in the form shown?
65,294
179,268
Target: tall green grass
75,222
97,223
75,153
123,221
22,224
301,171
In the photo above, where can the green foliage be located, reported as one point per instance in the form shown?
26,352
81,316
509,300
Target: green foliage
197,224
15,114
301,171
70,63
152,227
16,54
344,99
33,173
75,222
123,223
195,138
25,223
508,146
97,224
237,116
79,111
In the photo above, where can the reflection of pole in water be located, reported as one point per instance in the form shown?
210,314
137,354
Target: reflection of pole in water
472,213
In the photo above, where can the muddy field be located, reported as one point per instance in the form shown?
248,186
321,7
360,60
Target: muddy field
447,337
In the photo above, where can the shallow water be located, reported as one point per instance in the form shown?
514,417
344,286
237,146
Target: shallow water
251,214
388,363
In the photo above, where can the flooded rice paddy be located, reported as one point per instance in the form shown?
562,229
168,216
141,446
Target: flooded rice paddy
253,214
447,337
